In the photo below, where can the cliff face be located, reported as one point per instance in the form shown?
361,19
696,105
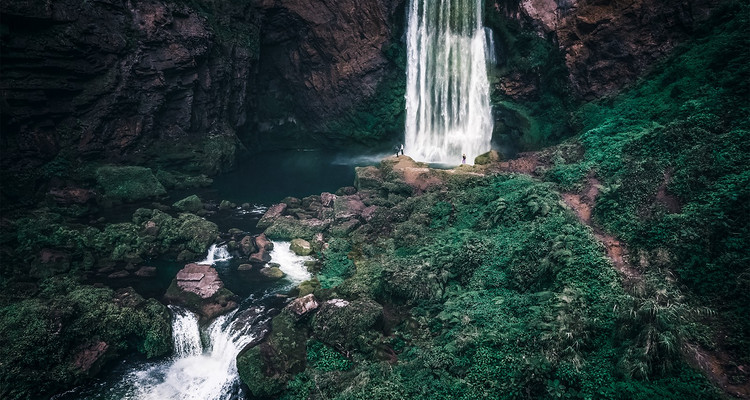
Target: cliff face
179,84
320,59
607,44
110,79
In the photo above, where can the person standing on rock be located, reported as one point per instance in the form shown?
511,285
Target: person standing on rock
463,159
397,149
402,149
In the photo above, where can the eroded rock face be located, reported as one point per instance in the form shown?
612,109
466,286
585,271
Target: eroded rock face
608,44
321,57
109,79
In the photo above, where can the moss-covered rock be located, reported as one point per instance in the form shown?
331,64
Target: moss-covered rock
344,324
191,204
128,183
489,157
301,247
266,368
272,273
288,228
64,335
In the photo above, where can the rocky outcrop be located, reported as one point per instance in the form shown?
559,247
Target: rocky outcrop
318,59
199,288
606,44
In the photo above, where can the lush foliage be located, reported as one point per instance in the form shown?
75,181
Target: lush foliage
672,154
45,336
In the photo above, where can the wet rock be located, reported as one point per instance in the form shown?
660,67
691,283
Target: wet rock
118,275
247,246
71,195
245,267
301,247
344,228
303,305
226,205
146,272
262,256
272,273
199,288
346,191
342,324
262,242
288,228
369,212
271,215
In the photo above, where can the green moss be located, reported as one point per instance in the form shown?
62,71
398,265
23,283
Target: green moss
44,334
128,183
191,204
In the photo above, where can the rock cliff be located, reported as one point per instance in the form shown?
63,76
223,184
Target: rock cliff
606,44
178,84
114,79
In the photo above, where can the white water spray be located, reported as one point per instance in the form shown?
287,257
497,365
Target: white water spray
290,263
216,254
448,111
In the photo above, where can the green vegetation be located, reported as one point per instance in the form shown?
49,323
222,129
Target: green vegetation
672,154
128,183
45,337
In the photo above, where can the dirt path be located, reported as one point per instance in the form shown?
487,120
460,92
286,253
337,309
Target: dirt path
716,365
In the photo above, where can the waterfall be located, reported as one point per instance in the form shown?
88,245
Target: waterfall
216,254
448,109
196,372
186,336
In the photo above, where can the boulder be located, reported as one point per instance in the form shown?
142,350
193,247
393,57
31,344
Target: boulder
118,275
347,207
245,267
226,205
303,305
71,195
369,212
344,325
260,257
272,273
326,199
262,242
191,204
271,215
88,356
368,178
199,288
146,272
489,157
301,247
247,246
288,228
344,228
128,183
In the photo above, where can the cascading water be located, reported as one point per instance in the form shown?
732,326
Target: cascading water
448,111
202,366
216,254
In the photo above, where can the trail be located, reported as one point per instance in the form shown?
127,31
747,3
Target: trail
717,365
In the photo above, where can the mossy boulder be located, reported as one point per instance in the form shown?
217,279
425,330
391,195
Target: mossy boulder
191,204
272,273
271,215
347,325
368,178
489,157
301,247
288,228
266,368
128,183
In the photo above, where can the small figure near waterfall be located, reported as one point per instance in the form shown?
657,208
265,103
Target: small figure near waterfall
463,159
402,149
397,149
